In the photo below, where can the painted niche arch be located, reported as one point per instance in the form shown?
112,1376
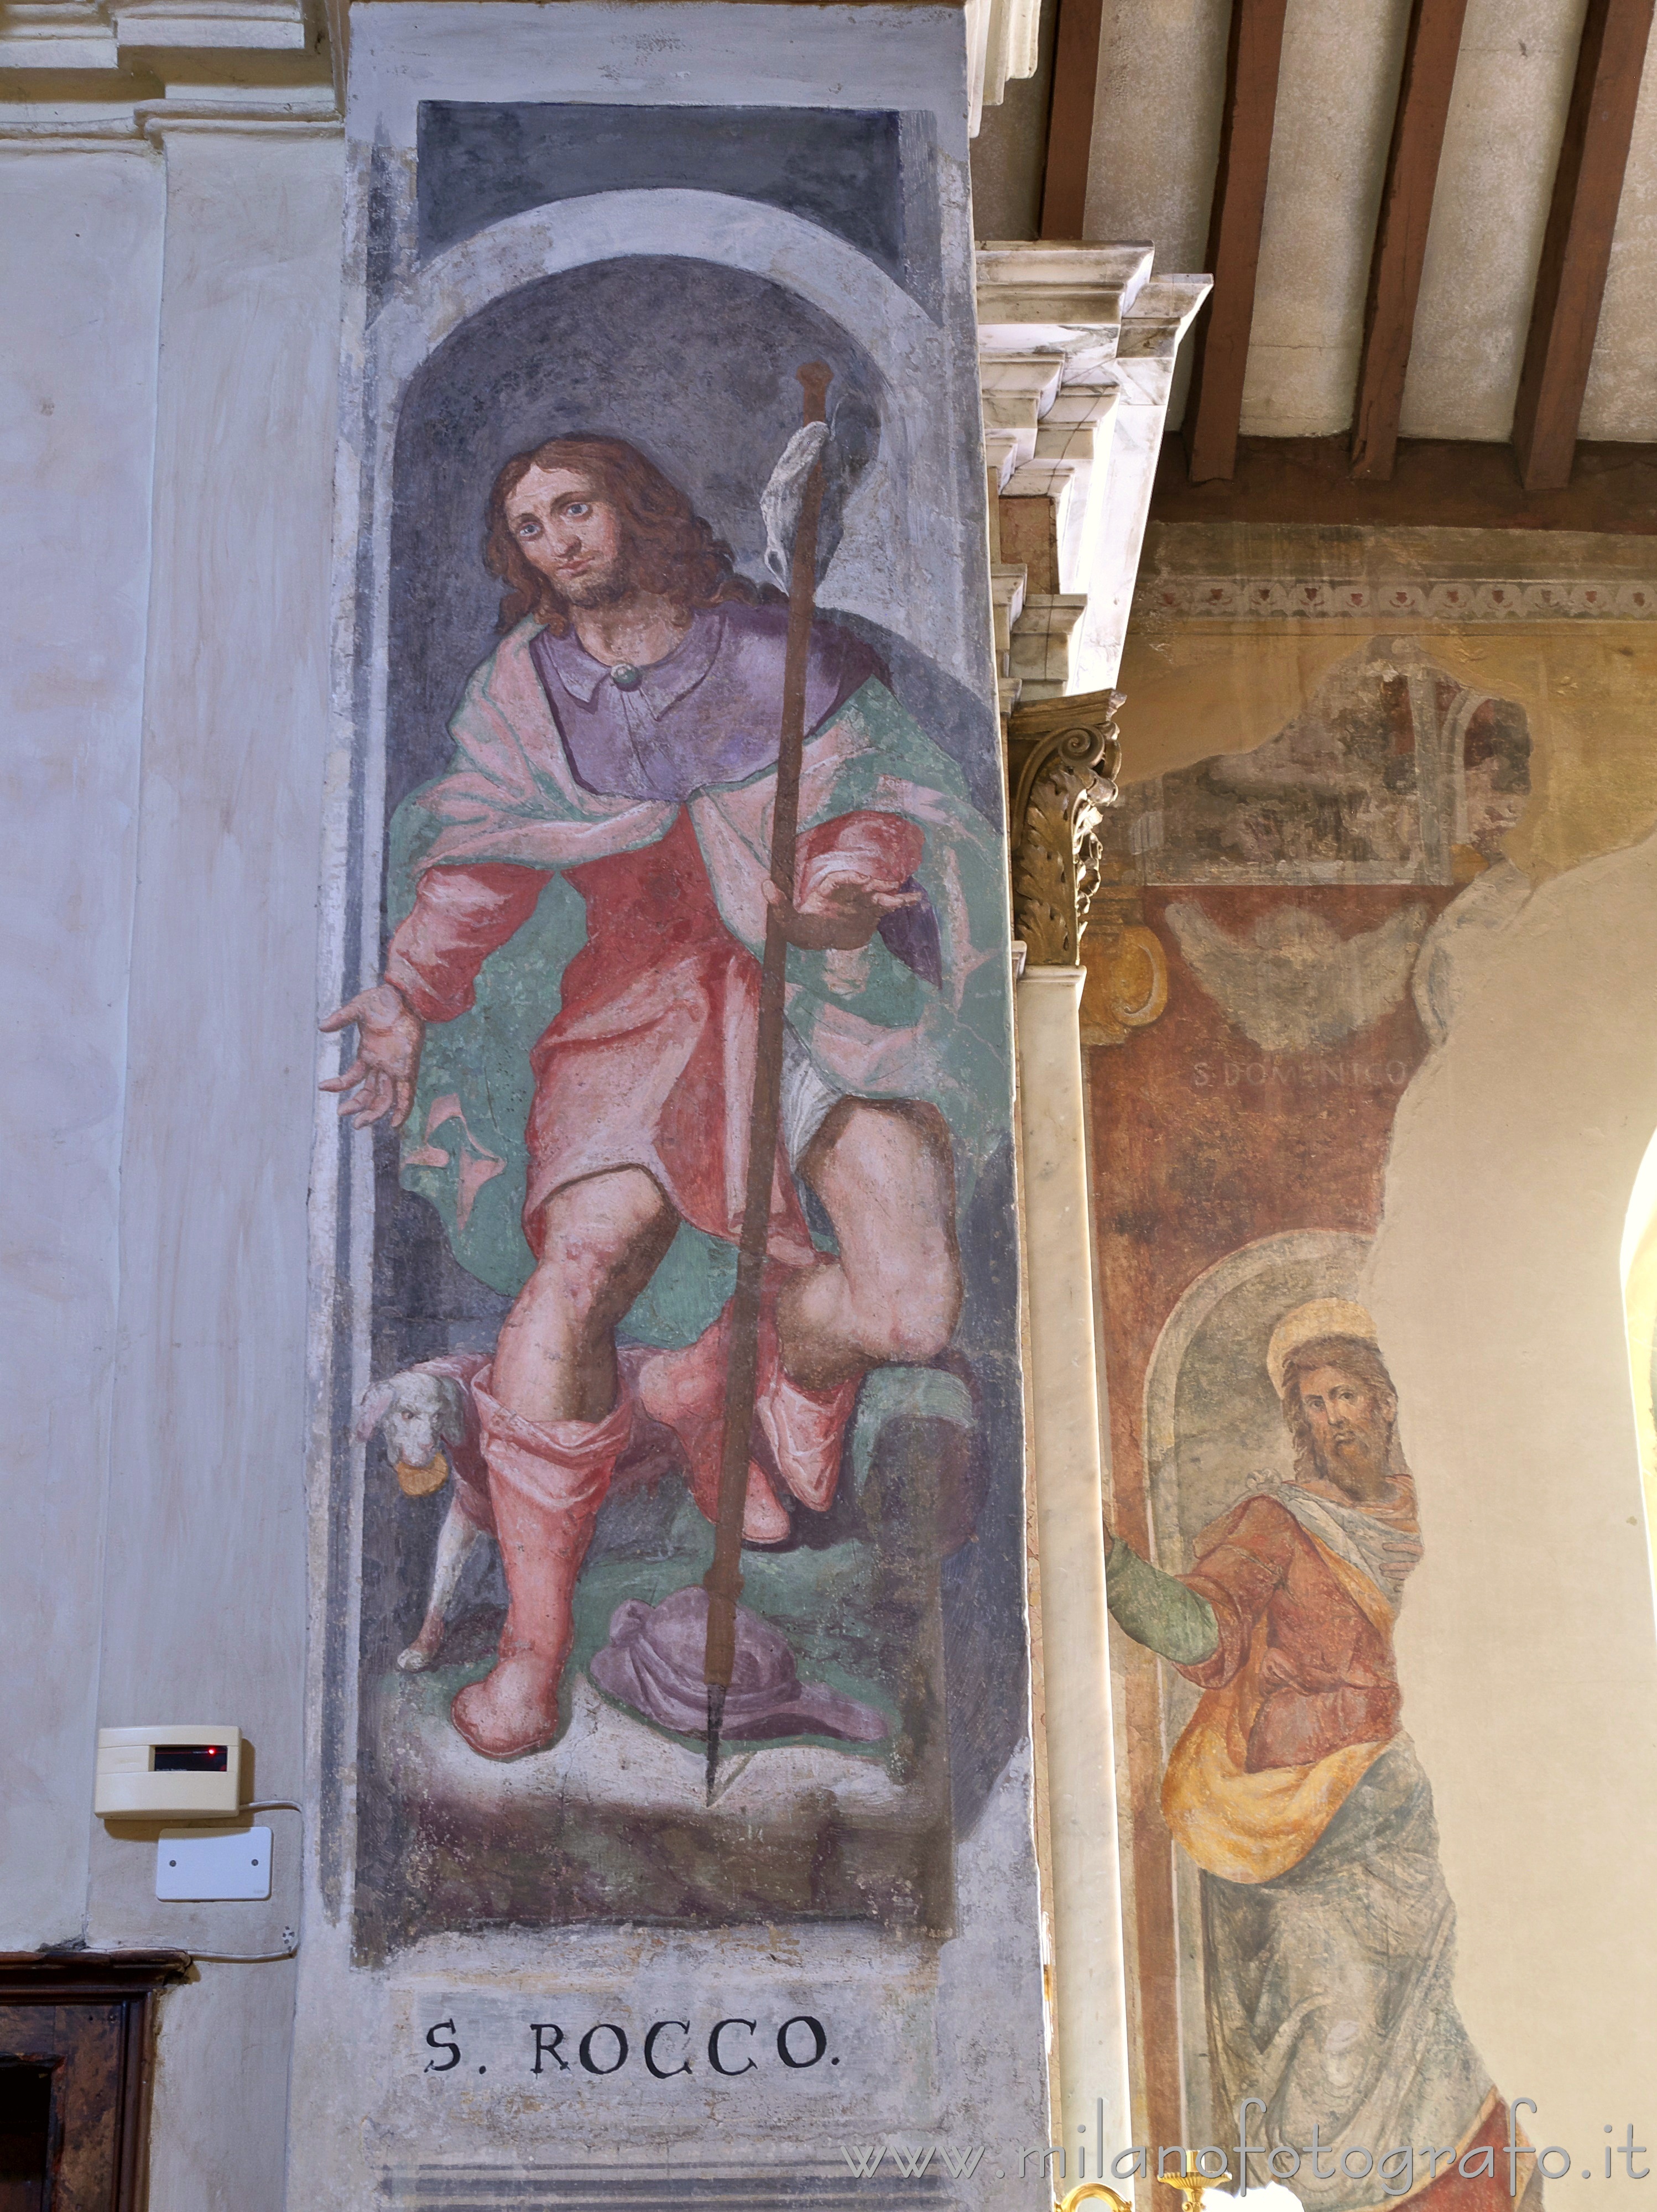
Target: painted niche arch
1212,1426
899,563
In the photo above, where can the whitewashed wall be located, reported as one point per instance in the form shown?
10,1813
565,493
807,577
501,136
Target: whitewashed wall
1525,1650
80,251
172,309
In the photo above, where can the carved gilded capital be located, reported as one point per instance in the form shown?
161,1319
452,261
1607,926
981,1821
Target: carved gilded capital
1062,759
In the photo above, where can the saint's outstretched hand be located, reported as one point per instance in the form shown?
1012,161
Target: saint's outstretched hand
840,918
389,1036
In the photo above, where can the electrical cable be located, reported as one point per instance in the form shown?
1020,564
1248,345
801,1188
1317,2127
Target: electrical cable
257,1958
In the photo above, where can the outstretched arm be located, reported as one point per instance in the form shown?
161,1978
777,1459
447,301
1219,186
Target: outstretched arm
460,917
1204,1622
1158,1610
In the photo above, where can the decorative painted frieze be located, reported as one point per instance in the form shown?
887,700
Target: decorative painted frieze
1460,598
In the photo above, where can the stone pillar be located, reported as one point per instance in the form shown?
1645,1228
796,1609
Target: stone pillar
1063,753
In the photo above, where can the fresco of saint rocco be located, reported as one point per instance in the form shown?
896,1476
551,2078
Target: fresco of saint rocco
1329,1934
605,826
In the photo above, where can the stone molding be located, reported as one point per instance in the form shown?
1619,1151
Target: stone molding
83,73
1076,349
1003,41
73,62
1063,758
1460,598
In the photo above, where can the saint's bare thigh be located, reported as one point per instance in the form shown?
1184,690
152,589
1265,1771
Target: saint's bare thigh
885,1176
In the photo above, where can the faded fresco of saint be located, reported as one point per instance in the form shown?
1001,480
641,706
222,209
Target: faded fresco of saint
1393,771
571,993
1328,1933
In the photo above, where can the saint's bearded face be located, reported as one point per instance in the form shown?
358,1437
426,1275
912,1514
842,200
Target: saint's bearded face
1351,1426
572,534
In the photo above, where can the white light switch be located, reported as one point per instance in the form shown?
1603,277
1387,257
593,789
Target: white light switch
218,1862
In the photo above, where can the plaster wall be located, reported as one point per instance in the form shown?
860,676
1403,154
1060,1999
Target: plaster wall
81,251
1527,1651
177,306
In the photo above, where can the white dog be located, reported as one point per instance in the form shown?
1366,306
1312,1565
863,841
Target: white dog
417,1414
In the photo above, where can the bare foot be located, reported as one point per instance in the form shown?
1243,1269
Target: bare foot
511,1711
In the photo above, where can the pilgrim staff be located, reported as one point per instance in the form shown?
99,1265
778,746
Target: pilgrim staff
723,1580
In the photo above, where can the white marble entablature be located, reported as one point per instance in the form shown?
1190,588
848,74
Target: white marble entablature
1077,346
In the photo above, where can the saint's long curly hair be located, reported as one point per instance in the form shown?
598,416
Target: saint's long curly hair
1353,1357
669,548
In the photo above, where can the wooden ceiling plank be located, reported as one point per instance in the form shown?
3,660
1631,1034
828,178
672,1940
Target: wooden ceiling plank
1570,281
1431,48
1070,119
1213,410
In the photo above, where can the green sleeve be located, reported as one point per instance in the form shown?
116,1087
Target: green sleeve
1158,1611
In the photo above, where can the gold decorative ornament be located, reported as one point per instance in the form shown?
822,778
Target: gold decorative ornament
421,1481
1192,2185
1127,986
1063,756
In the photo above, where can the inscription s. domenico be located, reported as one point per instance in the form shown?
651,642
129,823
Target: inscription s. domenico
730,2046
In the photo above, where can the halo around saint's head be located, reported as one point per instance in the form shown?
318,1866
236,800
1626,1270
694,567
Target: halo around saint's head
1305,1324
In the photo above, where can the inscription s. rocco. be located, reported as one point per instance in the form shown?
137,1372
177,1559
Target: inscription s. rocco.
731,2047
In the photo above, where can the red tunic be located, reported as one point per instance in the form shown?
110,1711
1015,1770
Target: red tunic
650,1061
1328,1674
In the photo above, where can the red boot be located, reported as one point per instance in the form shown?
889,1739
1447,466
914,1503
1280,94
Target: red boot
546,1482
685,1389
805,1429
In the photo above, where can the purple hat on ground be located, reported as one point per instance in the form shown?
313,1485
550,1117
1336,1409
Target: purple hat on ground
653,1660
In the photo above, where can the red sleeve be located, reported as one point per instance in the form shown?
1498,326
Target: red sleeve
877,852
1248,1557
460,917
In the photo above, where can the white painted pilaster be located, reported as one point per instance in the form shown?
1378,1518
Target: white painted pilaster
80,288
203,1607
1091,2029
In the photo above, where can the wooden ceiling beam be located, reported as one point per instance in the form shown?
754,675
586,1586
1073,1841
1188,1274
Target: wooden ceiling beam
1070,119
1570,282
1214,411
1431,48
